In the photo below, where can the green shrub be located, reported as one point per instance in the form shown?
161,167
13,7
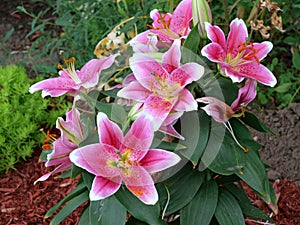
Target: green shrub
21,116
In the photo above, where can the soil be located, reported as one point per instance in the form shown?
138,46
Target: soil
25,203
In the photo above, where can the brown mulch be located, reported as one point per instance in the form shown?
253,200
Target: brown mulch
24,203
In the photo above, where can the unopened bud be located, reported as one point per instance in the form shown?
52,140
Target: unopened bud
201,14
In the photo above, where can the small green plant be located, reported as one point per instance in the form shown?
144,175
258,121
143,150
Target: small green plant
22,115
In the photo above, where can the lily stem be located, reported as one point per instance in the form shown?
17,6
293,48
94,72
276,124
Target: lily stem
226,14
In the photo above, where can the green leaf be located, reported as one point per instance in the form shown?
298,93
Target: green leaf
228,210
186,179
84,217
107,211
146,213
88,179
251,120
196,137
245,204
254,174
192,41
70,207
202,207
8,35
114,111
80,188
296,59
282,88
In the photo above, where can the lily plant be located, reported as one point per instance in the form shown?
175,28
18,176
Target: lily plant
159,144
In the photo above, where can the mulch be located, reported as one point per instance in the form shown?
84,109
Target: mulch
22,203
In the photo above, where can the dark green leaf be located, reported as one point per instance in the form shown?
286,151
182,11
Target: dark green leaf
228,210
88,179
192,41
70,207
245,204
186,179
251,120
202,207
107,211
146,213
84,218
196,136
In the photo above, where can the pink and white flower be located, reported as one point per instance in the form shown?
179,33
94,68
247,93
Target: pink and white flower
237,57
71,135
127,159
161,87
71,80
166,27
220,111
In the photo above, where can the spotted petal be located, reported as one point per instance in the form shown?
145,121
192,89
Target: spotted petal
55,87
146,193
258,72
216,35
181,18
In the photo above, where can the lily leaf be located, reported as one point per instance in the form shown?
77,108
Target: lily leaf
251,120
70,207
186,179
107,211
202,207
228,210
146,213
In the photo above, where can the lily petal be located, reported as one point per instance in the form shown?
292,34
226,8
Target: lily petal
238,35
103,188
186,101
181,18
171,58
158,108
109,132
60,153
135,91
147,70
256,71
156,160
55,87
217,109
97,159
187,73
214,52
261,49
89,74
215,34
246,95
146,193
139,138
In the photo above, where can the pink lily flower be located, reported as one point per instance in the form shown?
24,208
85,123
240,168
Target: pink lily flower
71,135
161,87
221,112
237,57
127,159
167,27
71,80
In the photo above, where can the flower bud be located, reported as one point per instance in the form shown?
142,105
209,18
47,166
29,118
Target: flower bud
201,14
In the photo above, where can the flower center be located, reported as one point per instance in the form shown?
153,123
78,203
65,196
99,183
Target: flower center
246,53
164,26
70,71
162,88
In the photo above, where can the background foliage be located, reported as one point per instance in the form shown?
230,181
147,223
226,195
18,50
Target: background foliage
21,116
